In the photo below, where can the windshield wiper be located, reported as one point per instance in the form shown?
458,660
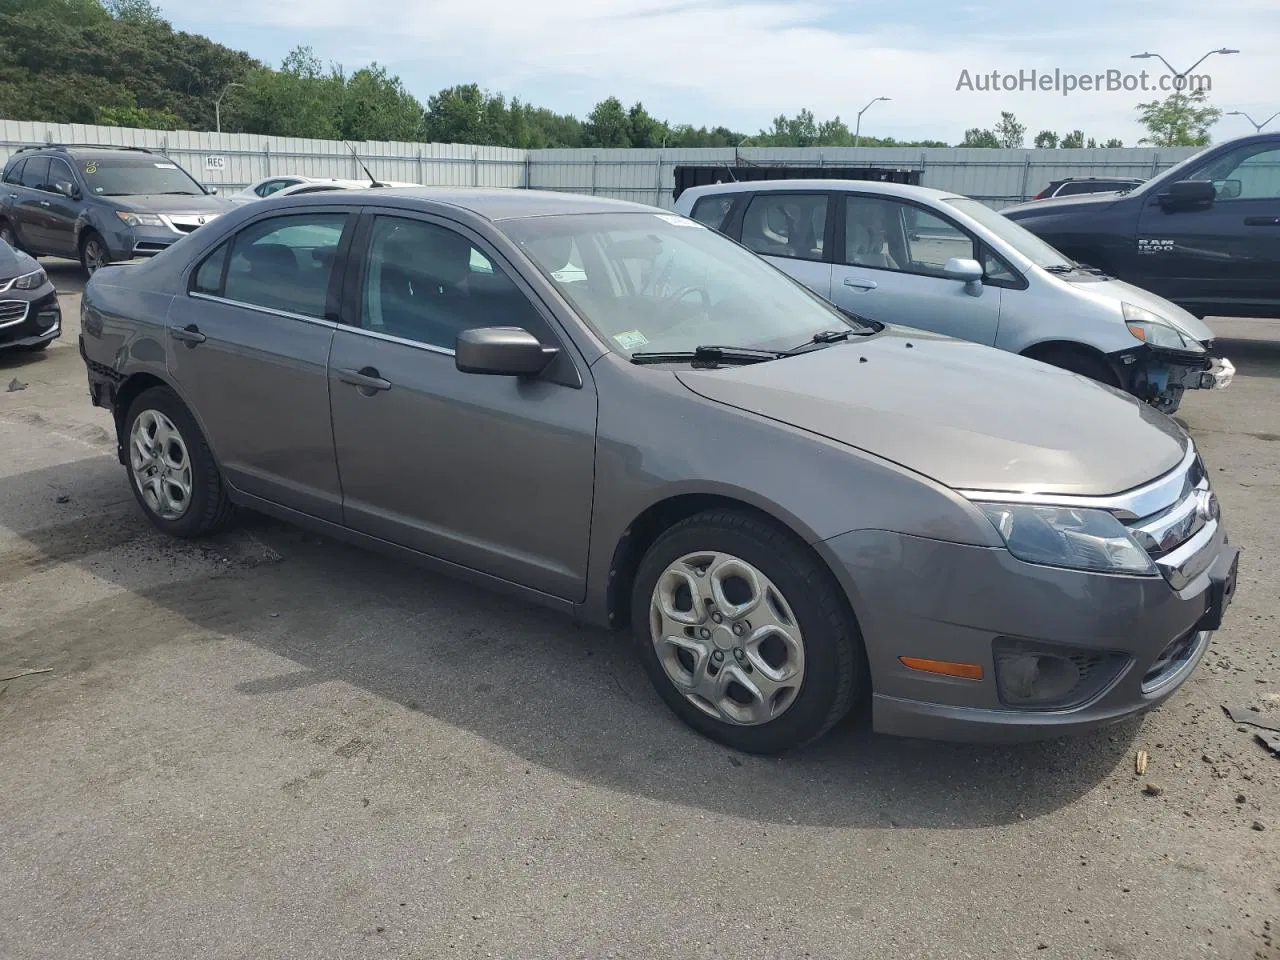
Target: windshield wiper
711,356
1062,268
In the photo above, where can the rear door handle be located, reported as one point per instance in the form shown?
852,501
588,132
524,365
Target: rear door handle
13,196
1262,221
366,378
190,334
44,203
859,283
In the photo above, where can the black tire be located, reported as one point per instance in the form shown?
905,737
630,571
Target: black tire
93,252
208,508
1081,362
835,668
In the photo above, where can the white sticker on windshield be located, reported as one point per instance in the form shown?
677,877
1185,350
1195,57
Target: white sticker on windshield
167,166
678,221
630,339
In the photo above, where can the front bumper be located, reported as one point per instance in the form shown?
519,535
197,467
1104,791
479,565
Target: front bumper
30,322
950,602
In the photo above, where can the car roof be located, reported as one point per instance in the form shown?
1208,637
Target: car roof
489,203
861,186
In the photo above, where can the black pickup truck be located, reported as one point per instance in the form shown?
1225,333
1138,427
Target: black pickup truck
1204,233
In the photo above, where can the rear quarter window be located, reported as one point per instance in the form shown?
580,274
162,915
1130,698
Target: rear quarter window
711,211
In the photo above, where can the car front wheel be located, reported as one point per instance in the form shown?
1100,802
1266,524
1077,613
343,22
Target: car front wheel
93,254
745,633
171,468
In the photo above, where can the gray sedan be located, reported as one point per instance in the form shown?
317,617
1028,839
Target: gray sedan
622,414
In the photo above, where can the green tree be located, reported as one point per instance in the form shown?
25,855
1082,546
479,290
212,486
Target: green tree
977,137
1114,142
1179,120
147,118
374,106
1073,140
135,11
1009,131
608,125
1046,140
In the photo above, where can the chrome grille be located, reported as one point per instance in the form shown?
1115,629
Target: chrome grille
1177,532
188,222
12,311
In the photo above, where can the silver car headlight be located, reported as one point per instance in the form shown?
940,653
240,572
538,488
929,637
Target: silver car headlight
140,219
28,281
1154,329
1073,537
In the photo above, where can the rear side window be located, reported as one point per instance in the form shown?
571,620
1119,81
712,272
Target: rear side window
36,173
285,263
14,173
208,278
786,225
711,211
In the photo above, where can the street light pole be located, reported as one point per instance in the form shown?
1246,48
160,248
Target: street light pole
1179,79
857,127
1257,127
217,106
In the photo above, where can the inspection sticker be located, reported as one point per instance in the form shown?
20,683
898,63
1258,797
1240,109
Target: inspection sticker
677,221
630,339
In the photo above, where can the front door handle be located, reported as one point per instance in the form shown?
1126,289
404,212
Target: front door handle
366,378
190,334
1262,221
44,203
859,283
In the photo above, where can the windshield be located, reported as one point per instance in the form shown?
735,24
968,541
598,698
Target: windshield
136,176
649,282
1015,235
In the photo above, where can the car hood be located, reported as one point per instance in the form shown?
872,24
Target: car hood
14,263
172,203
1080,203
966,415
1119,290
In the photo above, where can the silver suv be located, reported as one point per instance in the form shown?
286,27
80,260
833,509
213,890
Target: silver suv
933,260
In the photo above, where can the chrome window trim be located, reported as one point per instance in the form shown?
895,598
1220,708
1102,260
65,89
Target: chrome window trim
259,309
26,310
403,341
1136,504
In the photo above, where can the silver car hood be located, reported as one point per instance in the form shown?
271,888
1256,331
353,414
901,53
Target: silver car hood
966,415
1120,290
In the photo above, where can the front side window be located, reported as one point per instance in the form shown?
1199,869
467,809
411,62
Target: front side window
136,175
892,235
59,172
657,282
712,210
786,225
285,263
1249,173
426,283
1015,235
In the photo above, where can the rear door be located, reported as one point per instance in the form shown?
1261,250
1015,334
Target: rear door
30,206
492,473
1227,253
890,260
792,230
249,349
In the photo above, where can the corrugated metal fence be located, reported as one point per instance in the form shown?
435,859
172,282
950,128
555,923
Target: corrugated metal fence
230,161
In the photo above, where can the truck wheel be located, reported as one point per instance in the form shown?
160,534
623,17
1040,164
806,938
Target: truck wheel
93,253
745,634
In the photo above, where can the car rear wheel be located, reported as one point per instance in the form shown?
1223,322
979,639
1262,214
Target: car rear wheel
745,634
93,253
171,468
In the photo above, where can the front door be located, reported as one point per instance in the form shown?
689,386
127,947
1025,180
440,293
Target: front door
62,211
1226,254
492,473
791,231
249,349
890,257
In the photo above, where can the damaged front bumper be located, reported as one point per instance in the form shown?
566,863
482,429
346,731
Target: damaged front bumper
1161,377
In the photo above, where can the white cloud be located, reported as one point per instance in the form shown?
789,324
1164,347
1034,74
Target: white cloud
719,57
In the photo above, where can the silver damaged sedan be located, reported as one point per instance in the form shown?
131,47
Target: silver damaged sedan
617,412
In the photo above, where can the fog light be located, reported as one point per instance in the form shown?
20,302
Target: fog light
1043,677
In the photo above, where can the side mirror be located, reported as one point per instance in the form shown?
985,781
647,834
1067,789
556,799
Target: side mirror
968,272
212,191
1188,194
502,352
67,189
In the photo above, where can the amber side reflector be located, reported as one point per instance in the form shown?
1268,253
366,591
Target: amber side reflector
965,671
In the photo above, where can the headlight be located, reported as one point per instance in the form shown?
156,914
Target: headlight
140,219
28,281
1156,330
1073,537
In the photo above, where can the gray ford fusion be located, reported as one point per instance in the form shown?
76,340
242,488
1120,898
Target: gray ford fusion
614,411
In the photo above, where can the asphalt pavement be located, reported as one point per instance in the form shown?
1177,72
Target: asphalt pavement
270,745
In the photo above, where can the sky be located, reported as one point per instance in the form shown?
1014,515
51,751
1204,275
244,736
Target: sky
742,62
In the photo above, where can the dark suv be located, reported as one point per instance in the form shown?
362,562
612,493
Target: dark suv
1074,186
99,204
